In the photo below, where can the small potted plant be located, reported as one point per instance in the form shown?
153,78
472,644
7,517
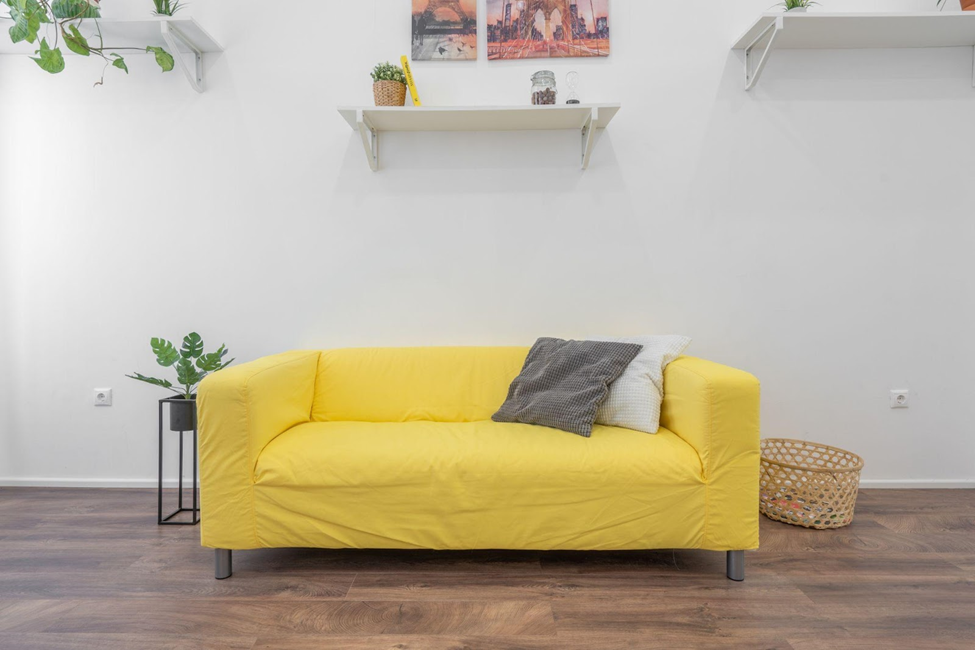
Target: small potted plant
798,6
192,365
167,7
389,85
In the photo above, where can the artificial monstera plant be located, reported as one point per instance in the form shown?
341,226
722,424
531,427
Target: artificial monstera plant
62,21
190,362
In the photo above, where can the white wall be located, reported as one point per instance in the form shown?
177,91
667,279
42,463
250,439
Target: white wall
816,232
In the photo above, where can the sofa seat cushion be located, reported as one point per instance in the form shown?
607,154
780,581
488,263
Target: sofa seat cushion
482,484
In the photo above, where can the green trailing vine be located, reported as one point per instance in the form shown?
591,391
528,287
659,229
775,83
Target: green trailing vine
65,18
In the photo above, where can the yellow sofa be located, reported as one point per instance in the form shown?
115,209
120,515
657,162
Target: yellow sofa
395,448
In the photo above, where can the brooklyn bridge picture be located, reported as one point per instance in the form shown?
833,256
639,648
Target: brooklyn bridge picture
444,30
533,29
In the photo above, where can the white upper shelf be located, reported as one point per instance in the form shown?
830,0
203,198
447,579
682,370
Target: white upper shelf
824,31
818,31
125,33
370,121
480,118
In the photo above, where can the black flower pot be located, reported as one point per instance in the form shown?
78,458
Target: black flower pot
182,414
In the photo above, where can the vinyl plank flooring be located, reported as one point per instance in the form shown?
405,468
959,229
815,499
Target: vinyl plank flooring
124,642
324,617
83,569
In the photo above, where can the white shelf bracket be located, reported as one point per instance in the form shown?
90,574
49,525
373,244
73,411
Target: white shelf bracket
589,137
370,140
751,78
174,38
973,66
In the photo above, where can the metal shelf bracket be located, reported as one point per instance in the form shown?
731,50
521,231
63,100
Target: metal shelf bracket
589,137
751,78
174,38
370,140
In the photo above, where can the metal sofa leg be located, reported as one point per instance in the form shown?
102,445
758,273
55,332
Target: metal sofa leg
736,565
223,564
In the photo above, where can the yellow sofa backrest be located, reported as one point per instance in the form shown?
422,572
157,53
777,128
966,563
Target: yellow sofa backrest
411,384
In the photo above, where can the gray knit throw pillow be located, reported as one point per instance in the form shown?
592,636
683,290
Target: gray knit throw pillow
563,383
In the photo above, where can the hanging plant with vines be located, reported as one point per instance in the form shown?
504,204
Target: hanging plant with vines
35,20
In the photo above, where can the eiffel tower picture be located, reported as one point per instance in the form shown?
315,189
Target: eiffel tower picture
444,30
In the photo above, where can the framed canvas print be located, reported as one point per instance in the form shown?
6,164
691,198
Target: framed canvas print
444,30
544,29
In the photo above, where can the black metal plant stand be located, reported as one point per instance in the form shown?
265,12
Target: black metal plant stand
195,510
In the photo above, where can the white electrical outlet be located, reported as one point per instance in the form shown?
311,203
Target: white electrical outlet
103,397
900,399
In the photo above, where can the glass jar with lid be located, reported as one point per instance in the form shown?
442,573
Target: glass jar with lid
544,91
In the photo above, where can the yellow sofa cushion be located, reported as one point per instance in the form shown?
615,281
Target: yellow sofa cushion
477,485
413,384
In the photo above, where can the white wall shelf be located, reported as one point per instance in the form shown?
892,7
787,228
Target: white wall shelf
371,121
821,31
184,38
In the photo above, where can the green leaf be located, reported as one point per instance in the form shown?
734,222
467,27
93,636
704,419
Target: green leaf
166,353
66,9
214,360
165,383
119,63
76,41
163,58
192,346
186,374
27,16
49,60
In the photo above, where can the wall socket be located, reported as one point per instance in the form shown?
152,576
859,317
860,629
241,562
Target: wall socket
103,397
900,399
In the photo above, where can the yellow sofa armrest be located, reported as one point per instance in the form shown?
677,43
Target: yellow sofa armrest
715,409
241,410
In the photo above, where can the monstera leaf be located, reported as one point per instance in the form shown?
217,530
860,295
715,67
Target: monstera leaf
192,346
213,361
190,361
166,354
187,375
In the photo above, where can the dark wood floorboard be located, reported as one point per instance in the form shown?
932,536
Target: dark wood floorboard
90,569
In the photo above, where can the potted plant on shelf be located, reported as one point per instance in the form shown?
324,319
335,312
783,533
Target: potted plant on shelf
191,365
67,18
797,6
167,7
389,85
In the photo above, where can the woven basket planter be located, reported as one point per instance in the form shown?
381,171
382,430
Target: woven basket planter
808,484
389,93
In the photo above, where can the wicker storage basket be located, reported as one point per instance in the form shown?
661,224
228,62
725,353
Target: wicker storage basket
808,484
389,93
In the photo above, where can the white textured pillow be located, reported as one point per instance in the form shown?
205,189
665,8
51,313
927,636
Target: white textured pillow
634,398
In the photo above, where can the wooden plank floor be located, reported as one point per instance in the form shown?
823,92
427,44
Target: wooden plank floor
90,569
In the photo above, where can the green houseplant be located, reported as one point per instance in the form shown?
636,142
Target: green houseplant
68,21
191,365
389,85
797,5
166,7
